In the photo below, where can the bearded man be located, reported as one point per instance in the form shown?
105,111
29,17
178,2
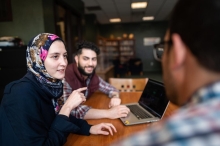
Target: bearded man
80,74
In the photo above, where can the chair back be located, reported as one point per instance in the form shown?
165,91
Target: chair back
128,84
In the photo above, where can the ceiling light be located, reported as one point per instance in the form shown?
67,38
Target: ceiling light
138,5
148,18
115,20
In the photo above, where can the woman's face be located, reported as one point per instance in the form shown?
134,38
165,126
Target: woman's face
56,60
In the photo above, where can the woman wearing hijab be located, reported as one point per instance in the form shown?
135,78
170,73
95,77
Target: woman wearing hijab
30,113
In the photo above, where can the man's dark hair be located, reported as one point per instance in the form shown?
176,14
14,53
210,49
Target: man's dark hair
87,45
198,24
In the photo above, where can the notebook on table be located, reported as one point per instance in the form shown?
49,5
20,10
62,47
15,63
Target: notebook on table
150,107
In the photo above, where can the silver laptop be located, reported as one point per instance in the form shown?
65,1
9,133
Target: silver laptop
150,107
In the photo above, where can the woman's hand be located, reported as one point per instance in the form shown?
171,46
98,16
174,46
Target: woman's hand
102,128
75,98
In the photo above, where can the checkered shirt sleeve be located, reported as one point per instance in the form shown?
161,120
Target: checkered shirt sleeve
80,111
185,128
106,87
192,125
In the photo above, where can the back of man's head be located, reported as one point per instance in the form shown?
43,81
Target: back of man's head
198,24
87,45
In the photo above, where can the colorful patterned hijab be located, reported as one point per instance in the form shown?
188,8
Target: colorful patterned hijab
36,54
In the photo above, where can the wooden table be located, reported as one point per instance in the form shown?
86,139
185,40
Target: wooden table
100,100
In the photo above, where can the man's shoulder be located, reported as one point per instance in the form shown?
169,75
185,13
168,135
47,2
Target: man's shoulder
70,66
69,71
103,82
191,116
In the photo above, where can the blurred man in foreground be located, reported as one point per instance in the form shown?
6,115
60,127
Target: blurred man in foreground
191,74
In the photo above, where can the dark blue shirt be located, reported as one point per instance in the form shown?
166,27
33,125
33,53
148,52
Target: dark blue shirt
27,117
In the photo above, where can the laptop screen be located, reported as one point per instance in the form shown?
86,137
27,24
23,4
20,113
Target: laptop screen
154,98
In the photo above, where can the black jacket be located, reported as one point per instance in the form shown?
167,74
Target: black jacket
27,117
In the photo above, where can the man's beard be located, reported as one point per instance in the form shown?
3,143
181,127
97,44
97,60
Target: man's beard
83,72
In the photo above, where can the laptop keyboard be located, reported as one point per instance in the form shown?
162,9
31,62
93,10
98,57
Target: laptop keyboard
138,112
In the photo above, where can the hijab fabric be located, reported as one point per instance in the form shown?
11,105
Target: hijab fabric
36,54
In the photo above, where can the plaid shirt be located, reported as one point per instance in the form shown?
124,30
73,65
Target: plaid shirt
195,124
80,111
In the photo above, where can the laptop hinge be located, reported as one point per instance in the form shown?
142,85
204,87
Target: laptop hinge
150,110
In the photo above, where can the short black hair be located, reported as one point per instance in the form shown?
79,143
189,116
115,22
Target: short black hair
198,24
88,45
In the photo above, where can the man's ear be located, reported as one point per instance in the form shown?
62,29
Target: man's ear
179,50
76,58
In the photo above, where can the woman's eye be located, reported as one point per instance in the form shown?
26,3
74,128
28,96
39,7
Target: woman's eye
55,57
65,56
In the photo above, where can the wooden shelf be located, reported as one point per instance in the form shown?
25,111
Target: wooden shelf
121,49
115,52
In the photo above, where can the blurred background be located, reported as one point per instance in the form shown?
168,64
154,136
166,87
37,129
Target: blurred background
124,30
